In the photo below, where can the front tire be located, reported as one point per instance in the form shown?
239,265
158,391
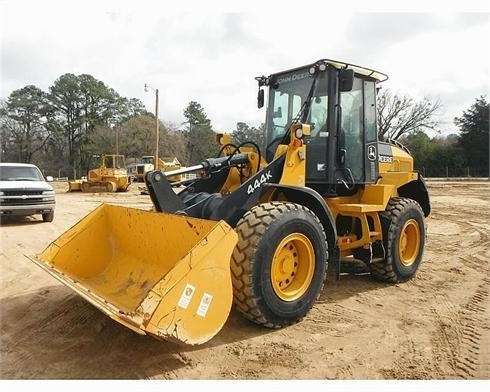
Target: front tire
48,216
279,264
403,239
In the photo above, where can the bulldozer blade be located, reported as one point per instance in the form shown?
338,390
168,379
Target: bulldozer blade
75,186
159,274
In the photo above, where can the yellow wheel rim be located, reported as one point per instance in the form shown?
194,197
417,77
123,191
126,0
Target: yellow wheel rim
292,267
409,244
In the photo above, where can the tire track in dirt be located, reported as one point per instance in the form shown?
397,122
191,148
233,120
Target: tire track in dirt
459,336
458,257
474,340
467,249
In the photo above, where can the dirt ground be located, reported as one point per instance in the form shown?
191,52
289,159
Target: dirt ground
433,327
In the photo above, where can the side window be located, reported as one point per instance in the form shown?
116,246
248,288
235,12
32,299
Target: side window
280,113
319,116
296,105
352,127
370,111
109,163
352,113
286,106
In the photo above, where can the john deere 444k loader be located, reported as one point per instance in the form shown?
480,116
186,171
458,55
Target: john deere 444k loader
257,231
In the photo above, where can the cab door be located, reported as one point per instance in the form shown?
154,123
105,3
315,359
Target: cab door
358,133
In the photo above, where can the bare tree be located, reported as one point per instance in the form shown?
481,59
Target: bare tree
400,115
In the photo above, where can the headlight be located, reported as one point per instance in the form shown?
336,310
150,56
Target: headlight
1,193
48,192
298,133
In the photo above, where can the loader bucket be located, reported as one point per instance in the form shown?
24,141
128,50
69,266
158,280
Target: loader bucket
159,274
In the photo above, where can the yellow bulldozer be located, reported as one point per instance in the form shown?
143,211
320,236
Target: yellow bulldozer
260,228
110,175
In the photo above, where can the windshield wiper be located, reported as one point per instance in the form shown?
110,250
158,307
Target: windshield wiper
303,111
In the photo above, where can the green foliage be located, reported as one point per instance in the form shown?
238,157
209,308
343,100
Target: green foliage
137,136
200,136
82,104
474,134
25,127
245,133
65,126
437,156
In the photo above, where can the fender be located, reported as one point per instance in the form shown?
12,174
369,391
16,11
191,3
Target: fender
312,200
417,190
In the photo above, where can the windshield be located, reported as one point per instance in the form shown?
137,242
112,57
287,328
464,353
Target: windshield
287,94
114,161
20,173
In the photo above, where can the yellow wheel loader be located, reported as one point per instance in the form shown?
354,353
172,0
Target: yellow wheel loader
111,175
147,164
257,229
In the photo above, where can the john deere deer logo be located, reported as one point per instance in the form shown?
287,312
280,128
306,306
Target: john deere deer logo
372,153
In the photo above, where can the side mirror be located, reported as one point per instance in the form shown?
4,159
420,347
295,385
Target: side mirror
346,79
49,179
260,98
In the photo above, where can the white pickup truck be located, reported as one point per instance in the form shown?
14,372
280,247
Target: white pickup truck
25,191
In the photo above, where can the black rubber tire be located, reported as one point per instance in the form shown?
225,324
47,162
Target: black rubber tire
398,212
260,232
48,216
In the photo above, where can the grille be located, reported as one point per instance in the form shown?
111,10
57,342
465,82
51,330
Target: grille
23,202
16,192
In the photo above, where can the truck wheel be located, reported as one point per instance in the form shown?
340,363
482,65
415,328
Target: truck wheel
279,264
403,239
48,216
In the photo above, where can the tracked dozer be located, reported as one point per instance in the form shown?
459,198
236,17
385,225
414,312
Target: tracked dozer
110,175
259,228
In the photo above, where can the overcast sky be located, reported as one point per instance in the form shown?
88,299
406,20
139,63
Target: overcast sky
211,55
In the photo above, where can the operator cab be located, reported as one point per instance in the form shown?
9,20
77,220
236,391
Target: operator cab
338,101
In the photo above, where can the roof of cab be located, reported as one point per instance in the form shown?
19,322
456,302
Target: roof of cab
378,76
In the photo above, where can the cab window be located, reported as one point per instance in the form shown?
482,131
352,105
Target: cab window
352,128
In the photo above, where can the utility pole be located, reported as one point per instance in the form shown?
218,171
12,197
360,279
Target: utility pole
117,140
156,123
156,126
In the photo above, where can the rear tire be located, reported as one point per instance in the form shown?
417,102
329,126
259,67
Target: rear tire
403,238
48,216
279,264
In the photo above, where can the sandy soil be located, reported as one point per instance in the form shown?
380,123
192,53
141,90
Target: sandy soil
433,327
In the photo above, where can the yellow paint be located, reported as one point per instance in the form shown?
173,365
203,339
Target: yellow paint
293,266
139,283
409,242
237,176
295,163
103,179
